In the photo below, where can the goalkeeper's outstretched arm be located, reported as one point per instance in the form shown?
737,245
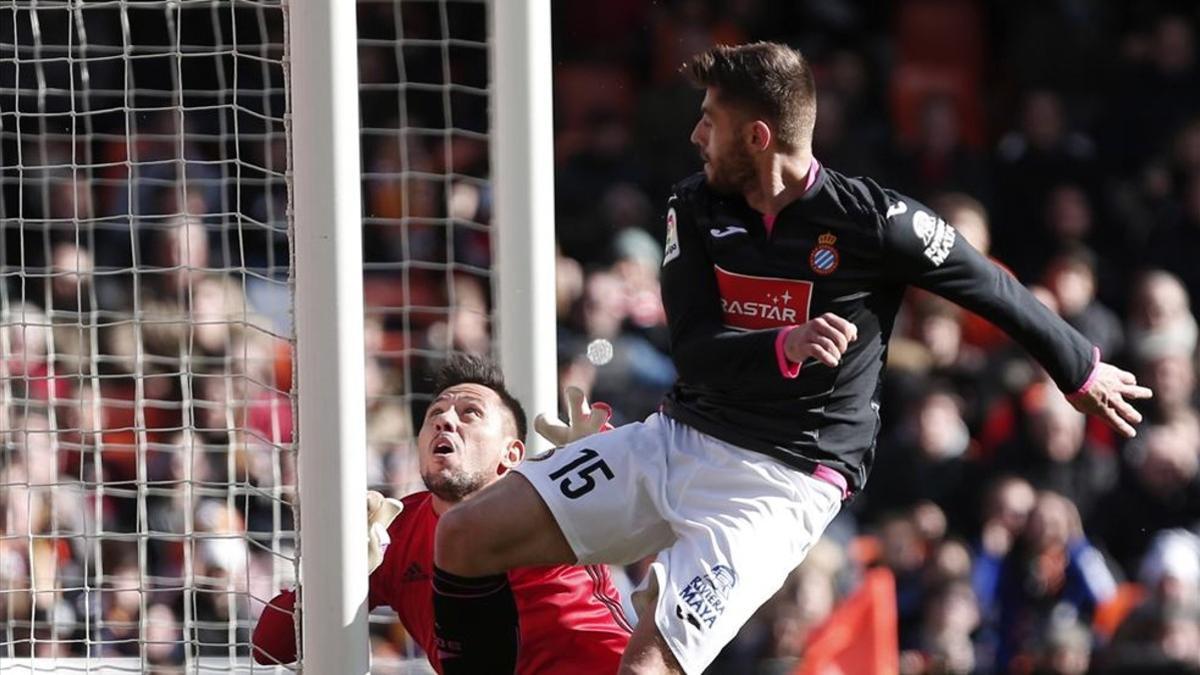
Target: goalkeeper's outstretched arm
274,639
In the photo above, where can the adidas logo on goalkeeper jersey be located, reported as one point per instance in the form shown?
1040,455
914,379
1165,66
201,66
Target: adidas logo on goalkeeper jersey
414,573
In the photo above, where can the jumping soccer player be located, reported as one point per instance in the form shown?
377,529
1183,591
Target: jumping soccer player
472,436
781,280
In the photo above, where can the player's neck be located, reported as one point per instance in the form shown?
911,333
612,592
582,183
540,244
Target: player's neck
440,505
781,180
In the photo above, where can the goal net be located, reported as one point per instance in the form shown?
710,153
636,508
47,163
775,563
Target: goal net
147,470
423,69
147,466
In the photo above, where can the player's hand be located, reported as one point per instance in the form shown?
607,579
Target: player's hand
381,511
1108,396
824,338
583,420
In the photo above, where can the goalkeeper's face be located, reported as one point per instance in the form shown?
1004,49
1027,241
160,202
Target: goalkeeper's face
468,440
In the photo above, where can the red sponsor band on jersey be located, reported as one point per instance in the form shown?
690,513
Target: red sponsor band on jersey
752,303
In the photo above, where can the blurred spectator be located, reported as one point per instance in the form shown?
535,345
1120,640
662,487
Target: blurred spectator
1156,639
928,461
1157,92
1064,649
605,163
1177,234
904,551
945,646
940,160
1060,458
1007,504
1069,226
1172,377
932,351
1052,568
568,286
1043,152
1071,277
1159,488
72,268
630,372
1044,148
781,628
639,257
1170,570
838,141
1160,318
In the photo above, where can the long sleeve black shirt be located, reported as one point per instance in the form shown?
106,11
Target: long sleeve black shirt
732,287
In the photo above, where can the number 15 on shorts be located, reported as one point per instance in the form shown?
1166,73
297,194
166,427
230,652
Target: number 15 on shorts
578,477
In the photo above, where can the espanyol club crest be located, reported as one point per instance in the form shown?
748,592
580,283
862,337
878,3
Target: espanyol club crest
824,257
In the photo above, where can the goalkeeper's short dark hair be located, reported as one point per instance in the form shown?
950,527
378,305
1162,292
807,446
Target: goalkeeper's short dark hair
474,369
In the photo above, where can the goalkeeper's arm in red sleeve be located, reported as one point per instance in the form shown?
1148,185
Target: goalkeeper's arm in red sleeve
274,640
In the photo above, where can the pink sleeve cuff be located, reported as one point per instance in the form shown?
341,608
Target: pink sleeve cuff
1087,384
787,368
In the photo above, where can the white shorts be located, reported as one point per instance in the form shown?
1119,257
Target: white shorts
730,524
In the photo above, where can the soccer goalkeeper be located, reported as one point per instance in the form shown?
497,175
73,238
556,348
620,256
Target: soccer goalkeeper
570,617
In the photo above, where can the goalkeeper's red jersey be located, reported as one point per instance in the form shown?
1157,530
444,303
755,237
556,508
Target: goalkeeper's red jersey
571,618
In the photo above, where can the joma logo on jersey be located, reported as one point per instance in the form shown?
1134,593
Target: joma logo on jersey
752,303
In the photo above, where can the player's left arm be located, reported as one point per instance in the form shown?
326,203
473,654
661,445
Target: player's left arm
274,637
924,250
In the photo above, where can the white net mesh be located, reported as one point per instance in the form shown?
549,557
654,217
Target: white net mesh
146,471
424,82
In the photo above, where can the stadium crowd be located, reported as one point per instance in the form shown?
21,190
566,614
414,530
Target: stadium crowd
1063,138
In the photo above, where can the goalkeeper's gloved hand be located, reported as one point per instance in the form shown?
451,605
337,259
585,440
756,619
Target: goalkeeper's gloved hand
584,420
381,511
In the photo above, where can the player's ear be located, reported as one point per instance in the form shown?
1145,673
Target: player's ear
514,452
760,135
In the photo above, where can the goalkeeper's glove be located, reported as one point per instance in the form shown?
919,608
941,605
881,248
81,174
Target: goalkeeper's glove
584,420
381,511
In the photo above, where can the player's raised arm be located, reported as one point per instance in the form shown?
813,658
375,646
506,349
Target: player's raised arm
924,250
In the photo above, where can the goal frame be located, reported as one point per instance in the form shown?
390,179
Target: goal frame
327,272
330,354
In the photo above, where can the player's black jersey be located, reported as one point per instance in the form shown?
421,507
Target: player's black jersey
847,246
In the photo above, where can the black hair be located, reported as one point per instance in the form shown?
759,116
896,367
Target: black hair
473,369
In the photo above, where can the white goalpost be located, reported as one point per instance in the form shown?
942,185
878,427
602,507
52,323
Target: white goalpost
523,173
329,336
183,358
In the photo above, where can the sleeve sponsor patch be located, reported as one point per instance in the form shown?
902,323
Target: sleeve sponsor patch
672,249
936,235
